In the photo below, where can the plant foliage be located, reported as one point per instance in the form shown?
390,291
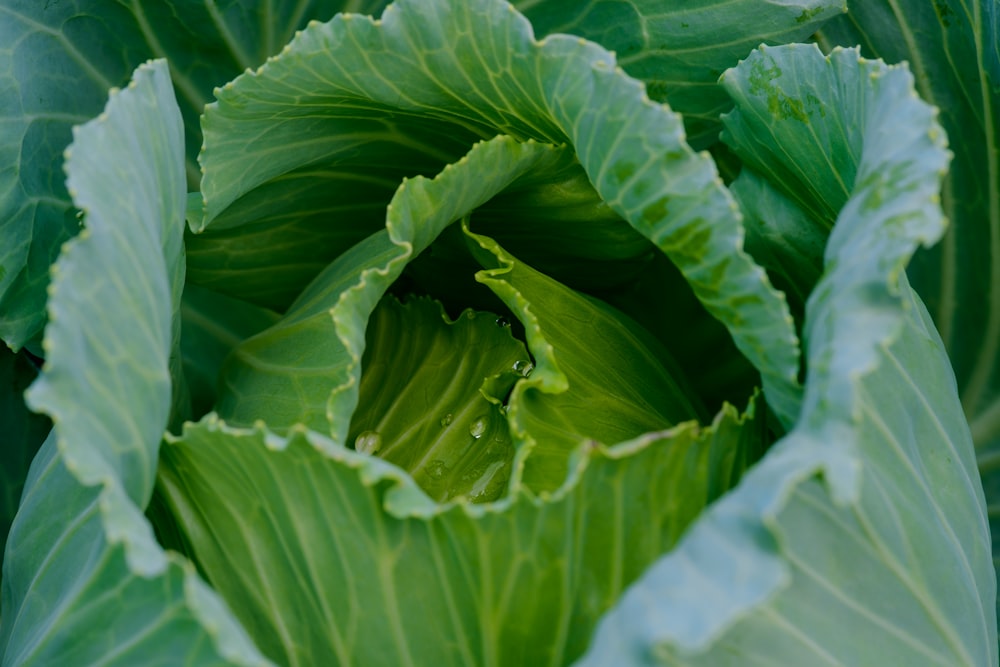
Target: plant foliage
489,334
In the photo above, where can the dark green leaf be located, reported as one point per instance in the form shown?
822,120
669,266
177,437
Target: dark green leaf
24,432
679,49
59,58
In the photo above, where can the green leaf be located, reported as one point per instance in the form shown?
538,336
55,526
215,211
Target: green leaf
355,566
679,49
556,222
57,62
780,136
85,583
304,370
82,565
269,244
104,331
867,521
212,325
951,46
730,377
495,79
24,432
431,397
295,373
781,236
598,376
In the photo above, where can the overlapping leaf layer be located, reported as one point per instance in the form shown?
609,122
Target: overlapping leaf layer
439,294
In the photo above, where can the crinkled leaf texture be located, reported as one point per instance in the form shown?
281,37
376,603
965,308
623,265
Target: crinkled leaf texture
84,580
679,49
954,49
57,62
482,571
424,104
861,538
376,571
346,561
866,521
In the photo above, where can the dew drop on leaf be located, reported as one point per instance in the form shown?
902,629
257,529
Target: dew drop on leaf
490,483
437,469
477,427
368,442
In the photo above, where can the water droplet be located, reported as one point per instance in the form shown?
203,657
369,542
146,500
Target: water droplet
503,322
523,367
490,484
446,420
437,469
477,427
368,442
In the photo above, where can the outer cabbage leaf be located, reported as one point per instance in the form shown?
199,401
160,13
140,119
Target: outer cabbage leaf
952,47
679,49
57,62
81,564
867,521
86,584
343,560
453,72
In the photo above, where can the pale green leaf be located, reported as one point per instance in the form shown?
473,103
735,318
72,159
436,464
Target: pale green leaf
867,521
86,584
82,569
344,561
432,397
107,332
952,48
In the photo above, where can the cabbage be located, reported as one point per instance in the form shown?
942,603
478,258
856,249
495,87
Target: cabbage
482,334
